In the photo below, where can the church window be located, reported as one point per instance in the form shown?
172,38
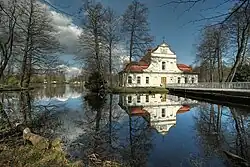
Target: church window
163,65
147,98
179,79
138,99
138,80
129,79
147,80
163,114
129,99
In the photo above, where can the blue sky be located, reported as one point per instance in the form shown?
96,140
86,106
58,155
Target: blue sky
166,21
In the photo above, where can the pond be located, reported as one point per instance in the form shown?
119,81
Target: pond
159,130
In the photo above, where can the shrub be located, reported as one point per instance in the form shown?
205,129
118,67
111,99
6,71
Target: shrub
37,79
12,81
95,82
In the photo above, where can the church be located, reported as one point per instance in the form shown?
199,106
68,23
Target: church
157,69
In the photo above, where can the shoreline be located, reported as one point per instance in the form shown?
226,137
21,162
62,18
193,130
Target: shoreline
7,89
118,90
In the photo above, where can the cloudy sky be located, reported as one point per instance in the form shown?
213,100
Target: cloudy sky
167,21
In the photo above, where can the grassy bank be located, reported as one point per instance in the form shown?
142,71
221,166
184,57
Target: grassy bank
15,153
27,155
138,90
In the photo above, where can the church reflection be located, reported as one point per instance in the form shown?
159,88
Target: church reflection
159,110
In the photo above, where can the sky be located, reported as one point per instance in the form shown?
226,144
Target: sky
180,29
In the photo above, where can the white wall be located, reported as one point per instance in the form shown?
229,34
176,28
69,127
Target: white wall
155,79
163,54
155,99
162,123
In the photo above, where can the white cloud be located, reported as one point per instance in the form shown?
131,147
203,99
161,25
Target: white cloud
120,56
68,32
70,71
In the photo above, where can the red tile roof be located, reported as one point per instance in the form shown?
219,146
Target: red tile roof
183,109
141,65
138,111
184,67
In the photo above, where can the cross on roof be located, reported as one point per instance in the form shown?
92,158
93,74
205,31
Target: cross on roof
163,38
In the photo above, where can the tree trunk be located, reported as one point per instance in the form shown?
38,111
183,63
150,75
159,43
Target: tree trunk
27,44
219,58
110,119
218,122
242,41
6,54
97,56
131,46
29,70
110,64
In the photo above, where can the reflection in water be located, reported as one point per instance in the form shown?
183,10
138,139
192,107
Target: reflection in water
158,109
134,130
59,93
223,128
159,112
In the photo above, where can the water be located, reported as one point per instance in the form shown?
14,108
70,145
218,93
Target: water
137,130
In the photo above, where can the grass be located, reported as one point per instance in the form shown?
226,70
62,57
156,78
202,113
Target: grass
13,152
139,90
20,155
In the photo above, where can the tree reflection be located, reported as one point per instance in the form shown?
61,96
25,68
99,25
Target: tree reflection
104,135
223,129
139,145
20,108
241,137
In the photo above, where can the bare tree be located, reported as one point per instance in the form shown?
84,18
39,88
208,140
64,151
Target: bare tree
239,25
91,42
136,27
8,19
111,37
236,19
211,51
38,43
220,18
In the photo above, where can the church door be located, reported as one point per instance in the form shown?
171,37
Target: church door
163,81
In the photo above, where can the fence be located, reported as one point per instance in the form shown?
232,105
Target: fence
223,85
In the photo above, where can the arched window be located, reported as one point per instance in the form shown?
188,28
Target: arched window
129,79
147,80
163,65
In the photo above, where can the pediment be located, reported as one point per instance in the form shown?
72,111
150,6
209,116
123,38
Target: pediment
163,49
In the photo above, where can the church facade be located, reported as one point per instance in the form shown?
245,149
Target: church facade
157,69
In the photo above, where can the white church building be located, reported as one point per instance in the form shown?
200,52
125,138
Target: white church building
160,110
157,69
